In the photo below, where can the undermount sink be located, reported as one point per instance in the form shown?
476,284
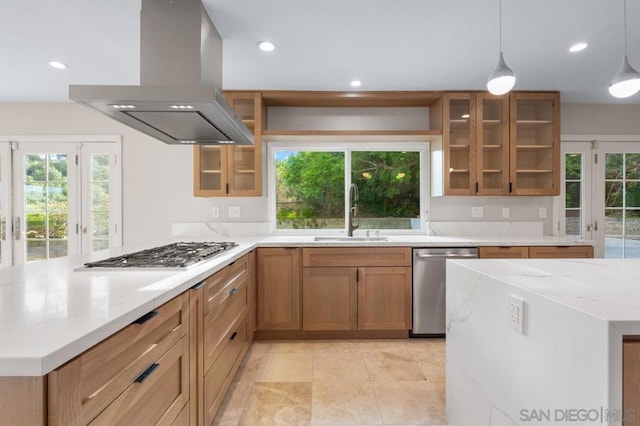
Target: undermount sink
351,239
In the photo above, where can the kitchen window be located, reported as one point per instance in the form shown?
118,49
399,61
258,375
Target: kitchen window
309,186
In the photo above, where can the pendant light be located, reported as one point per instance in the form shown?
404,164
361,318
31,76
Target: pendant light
502,79
626,82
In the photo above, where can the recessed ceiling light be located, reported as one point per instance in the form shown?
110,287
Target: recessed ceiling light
578,47
266,46
58,65
356,83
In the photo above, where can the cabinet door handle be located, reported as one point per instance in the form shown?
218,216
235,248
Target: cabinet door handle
197,286
233,336
146,317
233,291
146,373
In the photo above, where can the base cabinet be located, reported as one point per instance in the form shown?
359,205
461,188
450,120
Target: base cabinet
143,368
278,289
352,297
172,366
535,252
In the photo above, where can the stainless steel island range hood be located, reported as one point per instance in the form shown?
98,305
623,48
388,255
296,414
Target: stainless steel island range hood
179,99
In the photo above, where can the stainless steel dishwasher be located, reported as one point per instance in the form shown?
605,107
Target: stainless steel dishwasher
429,288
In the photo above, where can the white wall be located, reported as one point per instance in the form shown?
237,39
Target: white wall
158,178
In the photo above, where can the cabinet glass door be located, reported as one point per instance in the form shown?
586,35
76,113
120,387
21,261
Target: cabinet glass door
210,164
535,151
244,162
459,144
493,148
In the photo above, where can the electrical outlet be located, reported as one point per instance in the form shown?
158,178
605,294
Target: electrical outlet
515,313
543,212
506,213
477,212
234,211
215,211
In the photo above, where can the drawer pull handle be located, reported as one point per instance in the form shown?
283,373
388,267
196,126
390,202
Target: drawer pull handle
233,336
233,291
232,263
141,378
146,317
197,286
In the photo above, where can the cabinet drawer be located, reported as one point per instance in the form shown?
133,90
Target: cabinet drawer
361,256
558,252
503,252
157,396
83,387
218,286
221,372
218,324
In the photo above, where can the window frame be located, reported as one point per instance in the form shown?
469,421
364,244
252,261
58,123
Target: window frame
347,147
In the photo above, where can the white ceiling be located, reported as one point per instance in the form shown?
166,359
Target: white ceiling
324,44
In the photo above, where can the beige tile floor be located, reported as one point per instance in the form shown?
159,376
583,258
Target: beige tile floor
339,382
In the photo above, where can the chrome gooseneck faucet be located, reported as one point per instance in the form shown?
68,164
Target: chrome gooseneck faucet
354,219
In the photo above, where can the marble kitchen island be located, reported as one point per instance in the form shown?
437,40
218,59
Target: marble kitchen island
566,366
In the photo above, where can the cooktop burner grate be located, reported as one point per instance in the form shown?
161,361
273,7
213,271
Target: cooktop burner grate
175,255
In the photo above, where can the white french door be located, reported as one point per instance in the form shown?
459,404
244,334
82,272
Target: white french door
5,205
58,198
44,207
601,195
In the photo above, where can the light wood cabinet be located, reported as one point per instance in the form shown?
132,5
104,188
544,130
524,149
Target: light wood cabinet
23,401
329,299
278,297
233,170
341,294
503,252
125,370
559,252
535,252
498,145
631,379
226,307
535,143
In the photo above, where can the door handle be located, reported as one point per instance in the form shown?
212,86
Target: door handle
588,227
16,228
3,229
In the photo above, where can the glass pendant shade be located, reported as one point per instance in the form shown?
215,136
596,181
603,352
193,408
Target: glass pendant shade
502,79
626,82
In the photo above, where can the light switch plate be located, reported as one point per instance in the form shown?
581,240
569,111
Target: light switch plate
515,313
506,213
234,211
543,212
477,212
215,211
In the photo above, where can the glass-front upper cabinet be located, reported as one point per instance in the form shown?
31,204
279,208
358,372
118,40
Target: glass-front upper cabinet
233,170
535,143
493,144
459,136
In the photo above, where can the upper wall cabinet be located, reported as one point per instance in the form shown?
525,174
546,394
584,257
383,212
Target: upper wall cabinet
233,170
498,145
535,143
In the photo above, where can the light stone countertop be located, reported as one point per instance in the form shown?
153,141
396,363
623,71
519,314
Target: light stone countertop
51,312
568,356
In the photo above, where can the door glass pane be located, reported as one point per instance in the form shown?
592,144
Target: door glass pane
573,194
46,206
100,201
389,188
310,190
622,205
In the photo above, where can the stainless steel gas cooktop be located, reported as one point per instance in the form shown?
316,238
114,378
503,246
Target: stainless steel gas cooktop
176,255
